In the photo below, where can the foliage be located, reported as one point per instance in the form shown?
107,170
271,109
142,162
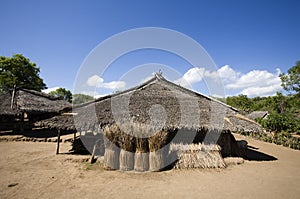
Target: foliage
291,80
20,72
242,102
62,93
277,122
81,98
284,111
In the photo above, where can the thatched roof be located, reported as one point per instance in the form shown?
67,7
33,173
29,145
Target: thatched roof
258,114
157,102
6,107
62,122
32,102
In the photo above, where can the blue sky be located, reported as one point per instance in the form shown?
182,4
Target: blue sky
251,42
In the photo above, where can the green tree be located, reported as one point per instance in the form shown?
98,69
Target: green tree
291,80
241,102
20,72
63,93
81,98
277,122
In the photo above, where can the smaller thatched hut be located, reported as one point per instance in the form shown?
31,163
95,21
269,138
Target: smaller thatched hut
258,114
20,108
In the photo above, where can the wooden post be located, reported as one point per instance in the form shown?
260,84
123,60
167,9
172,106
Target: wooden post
58,138
22,123
92,160
74,136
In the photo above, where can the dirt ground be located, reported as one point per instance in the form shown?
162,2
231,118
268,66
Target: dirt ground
32,170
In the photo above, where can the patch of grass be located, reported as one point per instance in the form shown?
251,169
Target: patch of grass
93,166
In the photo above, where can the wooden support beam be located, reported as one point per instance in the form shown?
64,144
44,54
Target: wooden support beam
74,136
93,160
58,138
22,126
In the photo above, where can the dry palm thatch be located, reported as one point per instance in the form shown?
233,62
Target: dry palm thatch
241,124
7,106
198,156
38,102
63,122
36,105
257,114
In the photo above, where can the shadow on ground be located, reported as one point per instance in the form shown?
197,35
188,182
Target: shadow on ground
252,154
36,133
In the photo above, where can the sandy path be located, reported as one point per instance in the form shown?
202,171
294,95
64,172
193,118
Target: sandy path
42,174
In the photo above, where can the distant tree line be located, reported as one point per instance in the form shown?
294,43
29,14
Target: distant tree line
72,98
284,111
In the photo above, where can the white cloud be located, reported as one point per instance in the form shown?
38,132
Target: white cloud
257,83
227,74
48,90
98,82
192,76
255,77
113,85
95,81
262,90
253,83
94,94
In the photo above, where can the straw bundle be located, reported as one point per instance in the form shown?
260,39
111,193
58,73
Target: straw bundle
127,151
198,156
111,155
141,161
141,158
126,160
158,150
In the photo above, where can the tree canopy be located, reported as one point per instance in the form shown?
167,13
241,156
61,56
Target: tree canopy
62,93
81,98
283,110
291,80
20,72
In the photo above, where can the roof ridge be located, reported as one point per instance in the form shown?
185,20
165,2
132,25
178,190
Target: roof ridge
41,94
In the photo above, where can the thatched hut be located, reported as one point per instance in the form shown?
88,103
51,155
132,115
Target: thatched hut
154,114
258,115
20,108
